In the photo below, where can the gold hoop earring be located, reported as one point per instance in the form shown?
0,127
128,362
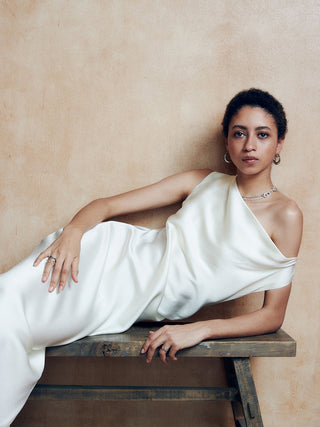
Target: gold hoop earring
227,157
277,159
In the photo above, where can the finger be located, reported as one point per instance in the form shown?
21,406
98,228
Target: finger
145,346
55,276
75,269
47,269
44,254
150,354
148,341
41,256
156,334
64,274
163,354
150,351
156,343
172,353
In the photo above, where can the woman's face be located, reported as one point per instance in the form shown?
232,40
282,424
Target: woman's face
253,140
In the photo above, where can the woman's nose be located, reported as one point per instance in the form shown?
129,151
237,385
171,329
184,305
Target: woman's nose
250,144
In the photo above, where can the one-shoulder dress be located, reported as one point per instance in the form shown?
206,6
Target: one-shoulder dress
212,250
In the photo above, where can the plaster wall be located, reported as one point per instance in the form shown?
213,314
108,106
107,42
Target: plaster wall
99,97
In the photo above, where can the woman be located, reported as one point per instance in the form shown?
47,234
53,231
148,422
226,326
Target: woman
232,236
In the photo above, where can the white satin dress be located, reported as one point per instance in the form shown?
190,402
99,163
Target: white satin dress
212,250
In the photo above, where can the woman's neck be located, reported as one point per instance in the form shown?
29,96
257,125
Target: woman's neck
253,185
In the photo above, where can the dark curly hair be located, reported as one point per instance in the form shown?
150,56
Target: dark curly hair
256,98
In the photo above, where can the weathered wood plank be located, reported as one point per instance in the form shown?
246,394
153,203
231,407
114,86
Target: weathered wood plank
235,351
237,408
247,390
128,344
68,392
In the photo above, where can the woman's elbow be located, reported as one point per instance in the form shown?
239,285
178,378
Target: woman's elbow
276,326
274,320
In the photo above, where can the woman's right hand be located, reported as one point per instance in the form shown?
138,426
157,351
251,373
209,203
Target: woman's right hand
65,250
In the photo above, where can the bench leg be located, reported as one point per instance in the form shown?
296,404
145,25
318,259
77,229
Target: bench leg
239,375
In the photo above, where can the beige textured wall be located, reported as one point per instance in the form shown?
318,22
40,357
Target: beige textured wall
98,97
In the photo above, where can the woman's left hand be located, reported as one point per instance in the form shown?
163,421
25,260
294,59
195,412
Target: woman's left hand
172,338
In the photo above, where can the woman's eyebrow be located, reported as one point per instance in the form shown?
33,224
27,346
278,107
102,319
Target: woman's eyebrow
239,126
262,127
257,128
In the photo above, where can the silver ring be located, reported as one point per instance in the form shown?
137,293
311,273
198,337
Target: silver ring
52,259
164,348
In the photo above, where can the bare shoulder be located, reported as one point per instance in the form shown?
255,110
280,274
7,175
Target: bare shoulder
194,177
185,182
289,212
289,220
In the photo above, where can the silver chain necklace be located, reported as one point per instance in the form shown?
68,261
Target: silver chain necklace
260,196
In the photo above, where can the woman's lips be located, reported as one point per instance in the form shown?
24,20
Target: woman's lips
250,160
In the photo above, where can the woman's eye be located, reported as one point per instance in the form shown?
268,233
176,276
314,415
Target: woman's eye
238,134
263,135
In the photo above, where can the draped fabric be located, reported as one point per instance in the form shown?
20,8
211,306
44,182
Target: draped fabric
218,250
213,249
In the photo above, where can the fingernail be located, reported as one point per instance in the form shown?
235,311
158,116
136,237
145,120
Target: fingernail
143,351
51,288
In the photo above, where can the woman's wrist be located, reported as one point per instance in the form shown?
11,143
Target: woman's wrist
206,329
214,329
74,229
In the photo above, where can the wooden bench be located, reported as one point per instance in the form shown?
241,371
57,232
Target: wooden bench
236,353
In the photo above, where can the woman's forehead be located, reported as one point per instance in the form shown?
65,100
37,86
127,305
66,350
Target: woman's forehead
252,116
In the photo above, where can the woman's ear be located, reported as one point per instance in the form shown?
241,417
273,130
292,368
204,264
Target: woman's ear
279,145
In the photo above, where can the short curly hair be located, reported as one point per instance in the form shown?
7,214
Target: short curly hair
256,98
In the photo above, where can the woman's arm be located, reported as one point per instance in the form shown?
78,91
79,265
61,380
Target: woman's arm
168,191
287,237
176,337
66,249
